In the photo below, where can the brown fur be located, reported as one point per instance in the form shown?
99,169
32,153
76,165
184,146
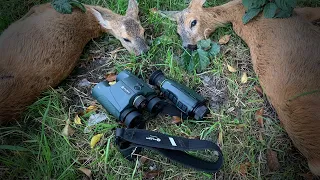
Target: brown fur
42,48
286,58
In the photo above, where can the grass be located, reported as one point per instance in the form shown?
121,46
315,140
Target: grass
34,148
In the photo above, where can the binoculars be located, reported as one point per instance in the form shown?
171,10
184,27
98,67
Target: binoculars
130,94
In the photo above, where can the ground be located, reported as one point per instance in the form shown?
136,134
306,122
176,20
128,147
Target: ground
35,148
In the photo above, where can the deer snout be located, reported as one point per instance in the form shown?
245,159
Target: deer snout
191,47
142,46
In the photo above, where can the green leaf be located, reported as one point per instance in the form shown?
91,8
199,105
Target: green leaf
285,4
204,60
292,3
284,14
270,10
215,49
13,148
259,3
192,66
77,4
250,15
62,6
205,44
185,59
247,3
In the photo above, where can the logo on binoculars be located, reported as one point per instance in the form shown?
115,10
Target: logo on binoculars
125,90
153,138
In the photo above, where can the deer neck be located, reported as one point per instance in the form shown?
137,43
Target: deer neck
231,12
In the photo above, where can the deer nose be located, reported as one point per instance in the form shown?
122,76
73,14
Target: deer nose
192,47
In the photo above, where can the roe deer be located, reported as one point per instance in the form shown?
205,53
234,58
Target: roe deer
42,48
286,58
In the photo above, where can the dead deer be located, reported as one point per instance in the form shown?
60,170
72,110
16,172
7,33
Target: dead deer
286,58
41,49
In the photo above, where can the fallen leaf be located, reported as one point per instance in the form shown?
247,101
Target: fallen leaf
77,120
153,10
91,108
176,120
86,171
259,117
95,139
84,83
231,69
259,90
67,130
220,139
307,176
243,170
225,39
112,83
111,77
260,136
272,160
143,159
244,78
151,174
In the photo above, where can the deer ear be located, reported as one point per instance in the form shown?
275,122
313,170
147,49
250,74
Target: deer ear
133,9
101,16
196,4
172,15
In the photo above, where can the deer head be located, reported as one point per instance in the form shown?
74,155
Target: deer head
195,22
125,28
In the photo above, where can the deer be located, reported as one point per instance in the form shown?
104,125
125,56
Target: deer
286,59
42,48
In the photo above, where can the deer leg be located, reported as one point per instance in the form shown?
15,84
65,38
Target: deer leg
309,13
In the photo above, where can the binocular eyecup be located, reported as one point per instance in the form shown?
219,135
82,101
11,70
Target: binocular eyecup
157,78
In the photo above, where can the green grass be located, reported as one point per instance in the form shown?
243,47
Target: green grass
35,149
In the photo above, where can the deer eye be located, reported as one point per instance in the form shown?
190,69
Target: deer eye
193,23
126,40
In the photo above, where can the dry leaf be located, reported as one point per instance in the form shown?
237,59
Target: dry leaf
77,120
231,69
112,83
153,10
91,108
67,130
272,160
225,39
307,176
95,139
260,136
111,77
143,159
244,78
176,120
259,90
86,172
151,174
244,168
220,139
259,117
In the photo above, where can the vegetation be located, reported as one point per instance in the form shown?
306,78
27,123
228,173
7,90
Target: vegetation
270,8
241,120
